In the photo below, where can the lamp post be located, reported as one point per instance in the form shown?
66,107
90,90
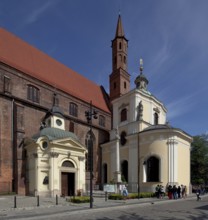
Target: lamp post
91,113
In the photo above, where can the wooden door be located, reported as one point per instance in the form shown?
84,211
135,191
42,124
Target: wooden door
64,184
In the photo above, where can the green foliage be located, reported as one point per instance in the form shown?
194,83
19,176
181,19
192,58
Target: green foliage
146,195
79,199
199,160
115,196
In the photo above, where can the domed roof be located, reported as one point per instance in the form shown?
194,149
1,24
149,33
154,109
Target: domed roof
54,133
158,127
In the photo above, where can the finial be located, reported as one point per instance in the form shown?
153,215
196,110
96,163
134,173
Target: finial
141,65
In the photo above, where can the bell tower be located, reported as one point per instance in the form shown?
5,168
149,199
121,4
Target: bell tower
119,78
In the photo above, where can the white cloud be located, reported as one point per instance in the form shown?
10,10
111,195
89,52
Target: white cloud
38,12
183,105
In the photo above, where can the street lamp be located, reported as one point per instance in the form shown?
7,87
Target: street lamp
91,113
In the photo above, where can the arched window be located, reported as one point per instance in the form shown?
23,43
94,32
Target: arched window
124,59
123,138
89,142
124,85
73,109
123,114
124,170
33,93
102,121
120,46
156,117
67,164
105,173
152,169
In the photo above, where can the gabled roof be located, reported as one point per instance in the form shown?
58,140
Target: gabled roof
31,61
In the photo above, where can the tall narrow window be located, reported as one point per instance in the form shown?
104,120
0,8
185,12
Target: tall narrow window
152,169
123,114
124,171
124,85
156,117
102,121
105,173
120,45
124,59
33,93
73,109
71,126
7,84
89,142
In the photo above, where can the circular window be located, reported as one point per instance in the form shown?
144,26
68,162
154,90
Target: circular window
45,145
123,138
58,122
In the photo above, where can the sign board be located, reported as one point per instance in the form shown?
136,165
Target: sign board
109,188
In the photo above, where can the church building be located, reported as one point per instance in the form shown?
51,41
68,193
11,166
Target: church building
144,149
45,136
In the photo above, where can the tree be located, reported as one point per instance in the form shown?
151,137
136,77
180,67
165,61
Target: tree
199,159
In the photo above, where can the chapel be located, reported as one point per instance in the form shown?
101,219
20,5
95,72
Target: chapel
46,138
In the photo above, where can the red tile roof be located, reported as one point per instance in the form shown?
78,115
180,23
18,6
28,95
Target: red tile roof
26,58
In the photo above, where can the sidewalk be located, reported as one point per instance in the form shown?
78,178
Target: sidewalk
28,205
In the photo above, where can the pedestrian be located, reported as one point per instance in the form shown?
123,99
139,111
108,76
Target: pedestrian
198,192
179,191
170,192
162,192
174,191
125,192
157,188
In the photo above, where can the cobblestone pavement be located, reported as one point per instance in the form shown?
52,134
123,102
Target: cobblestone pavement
28,206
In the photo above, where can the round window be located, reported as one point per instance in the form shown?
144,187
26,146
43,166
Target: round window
58,122
45,144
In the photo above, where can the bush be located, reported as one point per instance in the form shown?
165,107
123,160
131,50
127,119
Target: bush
115,196
79,199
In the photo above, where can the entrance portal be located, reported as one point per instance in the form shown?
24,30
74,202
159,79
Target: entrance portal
67,184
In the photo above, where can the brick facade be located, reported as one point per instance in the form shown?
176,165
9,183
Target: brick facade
21,117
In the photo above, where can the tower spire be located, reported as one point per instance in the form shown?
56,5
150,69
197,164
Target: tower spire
119,29
119,78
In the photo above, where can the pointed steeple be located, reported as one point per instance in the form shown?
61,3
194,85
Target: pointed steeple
119,78
119,29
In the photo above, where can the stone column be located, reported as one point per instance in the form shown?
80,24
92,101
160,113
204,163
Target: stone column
172,161
117,173
53,175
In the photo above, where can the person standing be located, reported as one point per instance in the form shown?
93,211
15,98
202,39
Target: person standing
198,193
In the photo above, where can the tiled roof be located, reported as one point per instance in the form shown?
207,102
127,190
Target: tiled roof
26,58
54,133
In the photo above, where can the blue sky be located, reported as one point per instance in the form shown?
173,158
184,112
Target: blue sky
170,35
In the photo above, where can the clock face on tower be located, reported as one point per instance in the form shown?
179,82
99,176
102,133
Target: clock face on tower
58,122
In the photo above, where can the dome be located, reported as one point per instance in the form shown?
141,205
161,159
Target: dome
54,133
158,127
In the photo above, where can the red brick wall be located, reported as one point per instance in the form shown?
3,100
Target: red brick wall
21,118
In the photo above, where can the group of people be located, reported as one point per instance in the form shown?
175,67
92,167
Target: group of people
173,192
